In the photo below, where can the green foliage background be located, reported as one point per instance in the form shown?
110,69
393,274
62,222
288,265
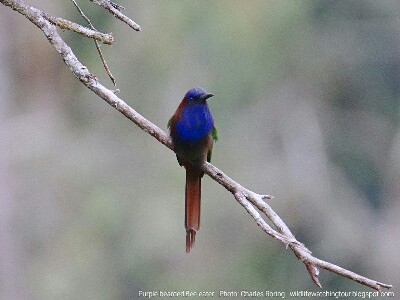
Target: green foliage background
307,109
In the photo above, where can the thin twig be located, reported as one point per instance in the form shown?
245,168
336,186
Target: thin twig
117,6
103,60
244,196
83,15
114,9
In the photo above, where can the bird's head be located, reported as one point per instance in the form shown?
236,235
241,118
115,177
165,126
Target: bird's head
198,95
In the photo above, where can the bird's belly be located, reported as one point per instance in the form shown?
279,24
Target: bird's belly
194,151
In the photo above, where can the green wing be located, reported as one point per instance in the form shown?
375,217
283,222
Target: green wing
169,122
214,135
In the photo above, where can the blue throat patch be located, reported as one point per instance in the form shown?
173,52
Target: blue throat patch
195,122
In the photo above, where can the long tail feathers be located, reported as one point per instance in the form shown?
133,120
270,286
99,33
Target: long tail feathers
192,205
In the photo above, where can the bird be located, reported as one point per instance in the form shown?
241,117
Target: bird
193,133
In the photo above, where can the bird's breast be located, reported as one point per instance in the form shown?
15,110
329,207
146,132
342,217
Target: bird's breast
195,123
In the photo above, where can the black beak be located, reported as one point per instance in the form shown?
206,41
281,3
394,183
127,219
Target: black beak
206,96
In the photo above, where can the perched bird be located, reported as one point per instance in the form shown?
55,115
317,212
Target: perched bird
192,132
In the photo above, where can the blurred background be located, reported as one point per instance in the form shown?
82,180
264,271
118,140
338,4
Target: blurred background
307,109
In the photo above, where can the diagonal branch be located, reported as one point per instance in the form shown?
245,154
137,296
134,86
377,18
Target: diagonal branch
115,10
33,13
248,199
90,33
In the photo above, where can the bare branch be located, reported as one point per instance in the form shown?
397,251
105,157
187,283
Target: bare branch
115,9
117,6
314,272
346,273
66,24
282,232
248,199
103,60
83,15
60,22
